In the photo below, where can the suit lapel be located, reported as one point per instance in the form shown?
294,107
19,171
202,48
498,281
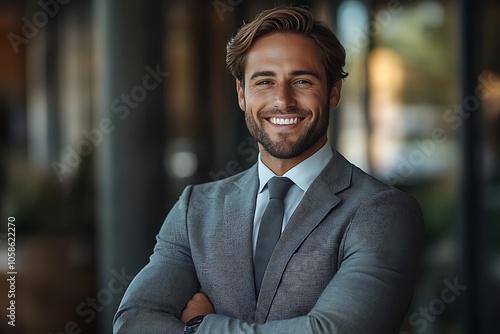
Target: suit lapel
319,199
238,212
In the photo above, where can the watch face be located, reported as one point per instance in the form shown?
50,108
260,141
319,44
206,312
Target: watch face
195,321
193,324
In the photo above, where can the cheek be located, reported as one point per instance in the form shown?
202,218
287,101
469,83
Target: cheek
255,98
255,103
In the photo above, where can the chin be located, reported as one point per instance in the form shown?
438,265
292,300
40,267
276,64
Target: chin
284,150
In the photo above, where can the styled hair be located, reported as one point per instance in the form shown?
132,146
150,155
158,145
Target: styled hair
286,19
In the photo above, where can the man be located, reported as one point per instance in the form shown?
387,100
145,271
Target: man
349,250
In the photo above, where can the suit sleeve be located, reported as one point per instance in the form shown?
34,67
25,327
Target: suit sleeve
156,297
378,263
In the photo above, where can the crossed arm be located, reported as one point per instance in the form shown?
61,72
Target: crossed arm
198,305
370,292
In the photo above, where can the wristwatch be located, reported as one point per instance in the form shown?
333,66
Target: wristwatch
192,325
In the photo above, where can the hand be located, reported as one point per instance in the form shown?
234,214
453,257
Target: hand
198,305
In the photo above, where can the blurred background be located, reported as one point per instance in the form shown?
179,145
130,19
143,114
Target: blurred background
108,109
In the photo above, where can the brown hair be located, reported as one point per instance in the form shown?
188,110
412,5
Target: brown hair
289,19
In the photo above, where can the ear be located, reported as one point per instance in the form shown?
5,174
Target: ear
241,95
335,94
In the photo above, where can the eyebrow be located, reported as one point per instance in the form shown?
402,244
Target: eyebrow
262,74
293,73
305,72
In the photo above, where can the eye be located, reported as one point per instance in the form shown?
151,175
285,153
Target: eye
302,82
263,82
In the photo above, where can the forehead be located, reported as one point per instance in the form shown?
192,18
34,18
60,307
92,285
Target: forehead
284,51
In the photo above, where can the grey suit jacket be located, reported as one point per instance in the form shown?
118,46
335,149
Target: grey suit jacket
346,263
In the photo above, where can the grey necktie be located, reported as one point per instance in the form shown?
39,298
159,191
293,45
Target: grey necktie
270,226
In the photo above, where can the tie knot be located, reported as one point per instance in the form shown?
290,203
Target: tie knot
278,187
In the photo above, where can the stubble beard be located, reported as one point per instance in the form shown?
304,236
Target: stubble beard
282,148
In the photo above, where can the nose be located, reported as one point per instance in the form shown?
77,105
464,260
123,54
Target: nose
284,97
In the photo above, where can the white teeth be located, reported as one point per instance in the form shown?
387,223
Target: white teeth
284,121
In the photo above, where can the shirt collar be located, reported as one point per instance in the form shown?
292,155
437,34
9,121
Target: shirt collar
304,173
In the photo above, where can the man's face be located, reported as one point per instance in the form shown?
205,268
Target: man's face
285,96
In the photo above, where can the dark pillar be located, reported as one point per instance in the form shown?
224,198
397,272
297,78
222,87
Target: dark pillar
43,100
129,81
472,212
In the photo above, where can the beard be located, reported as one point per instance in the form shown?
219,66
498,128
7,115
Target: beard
282,148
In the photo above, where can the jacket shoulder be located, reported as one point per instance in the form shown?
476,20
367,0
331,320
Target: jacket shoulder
244,179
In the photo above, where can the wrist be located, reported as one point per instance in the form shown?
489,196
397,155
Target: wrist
192,325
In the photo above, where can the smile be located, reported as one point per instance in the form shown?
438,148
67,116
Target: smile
283,121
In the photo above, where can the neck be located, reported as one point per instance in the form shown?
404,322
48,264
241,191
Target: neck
281,166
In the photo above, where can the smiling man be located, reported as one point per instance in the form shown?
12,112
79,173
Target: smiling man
303,241
286,99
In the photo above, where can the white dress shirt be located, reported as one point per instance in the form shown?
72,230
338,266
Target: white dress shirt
302,176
